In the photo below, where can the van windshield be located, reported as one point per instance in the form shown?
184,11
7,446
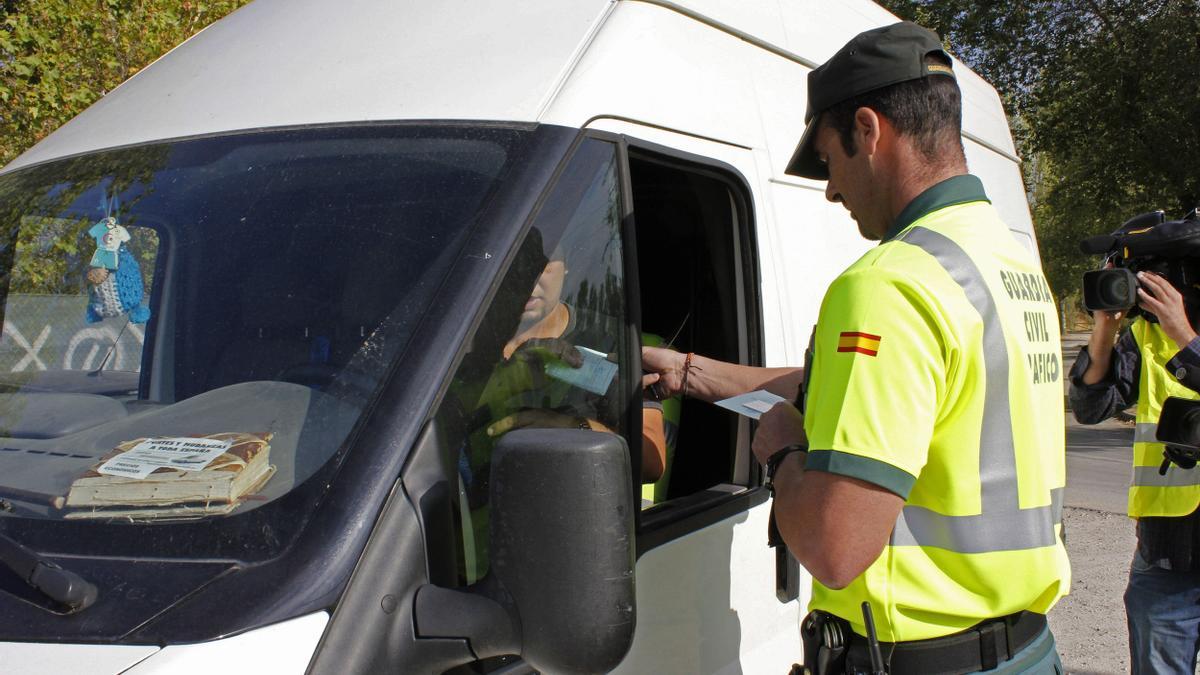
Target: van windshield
192,329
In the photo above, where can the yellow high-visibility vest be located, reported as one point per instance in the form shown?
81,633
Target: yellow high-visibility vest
1152,494
937,374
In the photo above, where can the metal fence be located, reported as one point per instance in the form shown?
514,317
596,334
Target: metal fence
49,332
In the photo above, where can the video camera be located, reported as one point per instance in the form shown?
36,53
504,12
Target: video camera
1145,243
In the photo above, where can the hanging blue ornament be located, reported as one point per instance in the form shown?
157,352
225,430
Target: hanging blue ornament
119,292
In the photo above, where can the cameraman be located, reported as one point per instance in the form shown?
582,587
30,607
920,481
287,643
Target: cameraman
1150,361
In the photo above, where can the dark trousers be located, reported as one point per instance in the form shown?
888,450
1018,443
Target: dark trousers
1163,611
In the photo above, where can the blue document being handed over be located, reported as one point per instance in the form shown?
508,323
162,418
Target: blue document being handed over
595,375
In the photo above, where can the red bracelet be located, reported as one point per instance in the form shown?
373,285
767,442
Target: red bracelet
687,367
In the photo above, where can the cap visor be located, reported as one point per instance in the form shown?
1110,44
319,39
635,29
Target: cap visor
804,162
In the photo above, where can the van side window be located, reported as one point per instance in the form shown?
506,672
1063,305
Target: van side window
697,289
551,347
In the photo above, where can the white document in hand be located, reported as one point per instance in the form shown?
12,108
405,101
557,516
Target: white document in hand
753,404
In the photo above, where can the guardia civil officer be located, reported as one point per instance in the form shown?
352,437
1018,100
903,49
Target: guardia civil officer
1156,357
925,477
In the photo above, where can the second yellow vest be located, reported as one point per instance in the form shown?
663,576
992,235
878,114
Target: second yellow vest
1151,494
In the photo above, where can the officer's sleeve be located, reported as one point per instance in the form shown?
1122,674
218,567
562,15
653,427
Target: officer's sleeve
1094,403
878,376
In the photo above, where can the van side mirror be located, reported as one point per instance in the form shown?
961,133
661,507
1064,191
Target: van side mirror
560,590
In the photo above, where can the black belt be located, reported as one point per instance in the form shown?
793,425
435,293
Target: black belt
981,647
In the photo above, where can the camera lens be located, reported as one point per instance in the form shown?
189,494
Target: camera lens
1111,289
1115,289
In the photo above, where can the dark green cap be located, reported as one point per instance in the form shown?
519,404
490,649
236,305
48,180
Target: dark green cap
871,60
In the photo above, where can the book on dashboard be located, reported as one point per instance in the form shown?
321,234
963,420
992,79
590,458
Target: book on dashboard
180,476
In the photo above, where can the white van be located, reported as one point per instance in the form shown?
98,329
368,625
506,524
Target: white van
336,213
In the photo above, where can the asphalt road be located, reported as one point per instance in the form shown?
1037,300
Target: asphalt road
1099,462
1098,456
1089,624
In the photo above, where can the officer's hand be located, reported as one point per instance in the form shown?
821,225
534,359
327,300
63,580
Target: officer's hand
664,371
778,428
537,418
1157,296
548,350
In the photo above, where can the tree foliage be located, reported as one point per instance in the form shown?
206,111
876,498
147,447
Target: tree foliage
1101,93
44,242
1102,98
59,56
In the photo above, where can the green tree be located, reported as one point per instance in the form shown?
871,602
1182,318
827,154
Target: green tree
43,248
57,57
1101,94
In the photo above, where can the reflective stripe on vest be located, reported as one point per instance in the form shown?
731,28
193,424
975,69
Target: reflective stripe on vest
1145,432
990,531
1148,476
1002,525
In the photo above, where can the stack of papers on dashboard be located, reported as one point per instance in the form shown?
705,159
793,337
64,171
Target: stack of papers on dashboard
173,477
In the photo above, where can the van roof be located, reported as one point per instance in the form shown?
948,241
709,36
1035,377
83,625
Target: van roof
302,62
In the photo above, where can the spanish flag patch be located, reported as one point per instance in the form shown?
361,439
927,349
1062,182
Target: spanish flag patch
863,343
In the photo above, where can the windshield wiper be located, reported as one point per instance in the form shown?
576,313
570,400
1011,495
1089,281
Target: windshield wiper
62,586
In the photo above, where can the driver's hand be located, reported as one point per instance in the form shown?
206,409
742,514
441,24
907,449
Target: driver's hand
548,350
664,370
538,418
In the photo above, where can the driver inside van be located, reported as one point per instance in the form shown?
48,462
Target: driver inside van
557,370
544,337
546,332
